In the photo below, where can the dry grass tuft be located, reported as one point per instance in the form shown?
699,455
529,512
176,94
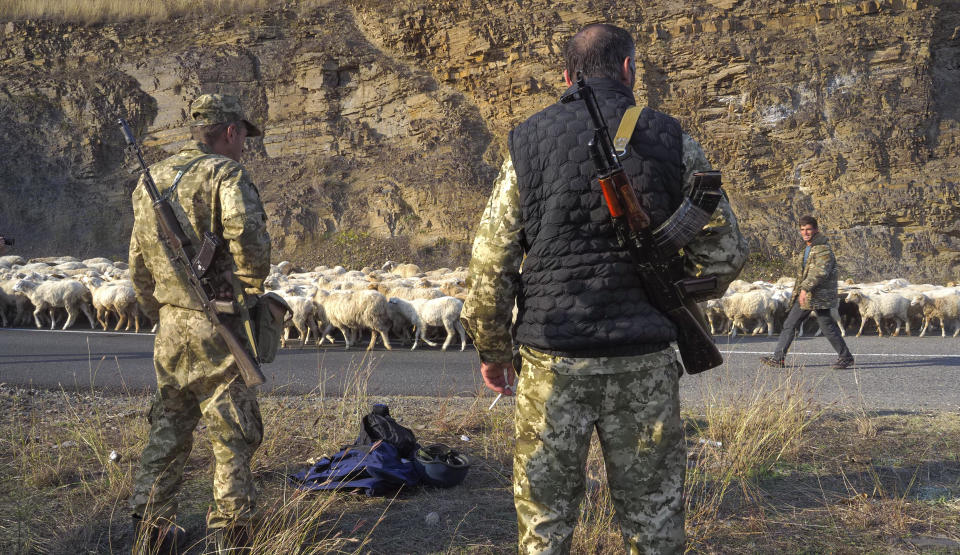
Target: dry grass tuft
739,440
756,483
101,11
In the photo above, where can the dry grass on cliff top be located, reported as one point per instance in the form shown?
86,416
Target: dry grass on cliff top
768,472
109,11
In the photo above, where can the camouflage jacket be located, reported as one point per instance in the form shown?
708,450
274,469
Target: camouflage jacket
818,277
494,273
215,194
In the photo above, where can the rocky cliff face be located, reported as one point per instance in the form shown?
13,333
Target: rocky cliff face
385,122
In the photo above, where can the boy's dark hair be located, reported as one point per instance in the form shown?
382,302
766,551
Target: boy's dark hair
809,220
598,50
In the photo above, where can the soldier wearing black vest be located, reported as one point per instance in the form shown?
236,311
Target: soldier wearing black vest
596,355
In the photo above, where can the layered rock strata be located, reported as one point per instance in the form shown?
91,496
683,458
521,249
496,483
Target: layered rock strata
385,123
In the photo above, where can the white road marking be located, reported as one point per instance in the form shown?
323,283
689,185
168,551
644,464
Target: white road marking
855,354
91,332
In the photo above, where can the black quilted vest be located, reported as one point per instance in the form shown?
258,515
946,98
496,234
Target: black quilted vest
581,296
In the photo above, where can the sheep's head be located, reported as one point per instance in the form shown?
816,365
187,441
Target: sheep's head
91,281
22,286
854,297
917,300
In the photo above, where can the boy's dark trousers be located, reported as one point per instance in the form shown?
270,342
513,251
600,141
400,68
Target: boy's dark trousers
830,330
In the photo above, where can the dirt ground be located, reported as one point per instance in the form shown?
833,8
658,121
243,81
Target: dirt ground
848,482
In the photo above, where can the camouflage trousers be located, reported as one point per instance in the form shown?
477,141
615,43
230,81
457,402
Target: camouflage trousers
197,379
633,404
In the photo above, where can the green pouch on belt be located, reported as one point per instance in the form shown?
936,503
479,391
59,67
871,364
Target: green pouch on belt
267,318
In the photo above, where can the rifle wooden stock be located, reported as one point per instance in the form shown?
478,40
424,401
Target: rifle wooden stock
622,201
249,369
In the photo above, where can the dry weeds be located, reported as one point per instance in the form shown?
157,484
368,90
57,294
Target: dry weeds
773,472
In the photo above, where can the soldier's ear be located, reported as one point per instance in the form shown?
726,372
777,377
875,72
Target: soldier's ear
233,130
566,78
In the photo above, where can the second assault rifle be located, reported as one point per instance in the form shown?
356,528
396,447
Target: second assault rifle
655,251
196,267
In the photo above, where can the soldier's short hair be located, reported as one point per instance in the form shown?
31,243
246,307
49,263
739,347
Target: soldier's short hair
808,220
598,50
209,134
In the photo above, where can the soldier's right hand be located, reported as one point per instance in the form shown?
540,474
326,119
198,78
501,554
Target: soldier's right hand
499,376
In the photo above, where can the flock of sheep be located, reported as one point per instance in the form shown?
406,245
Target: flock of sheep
762,306
397,301
403,304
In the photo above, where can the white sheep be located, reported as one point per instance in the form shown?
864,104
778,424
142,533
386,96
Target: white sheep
410,293
354,310
877,307
70,266
756,305
941,305
10,301
9,262
117,297
303,316
407,270
739,286
405,316
716,317
69,294
444,311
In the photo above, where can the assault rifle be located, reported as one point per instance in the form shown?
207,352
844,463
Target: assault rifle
655,251
196,267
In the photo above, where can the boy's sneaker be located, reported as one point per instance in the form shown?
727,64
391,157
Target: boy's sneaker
842,363
774,362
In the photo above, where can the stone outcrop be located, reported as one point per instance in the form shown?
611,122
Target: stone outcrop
385,122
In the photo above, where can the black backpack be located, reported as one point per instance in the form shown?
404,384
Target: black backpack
379,425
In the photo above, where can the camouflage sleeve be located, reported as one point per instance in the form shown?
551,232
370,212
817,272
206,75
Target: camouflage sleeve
494,275
244,224
143,282
820,263
720,249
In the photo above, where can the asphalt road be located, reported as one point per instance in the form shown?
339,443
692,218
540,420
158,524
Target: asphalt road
902,373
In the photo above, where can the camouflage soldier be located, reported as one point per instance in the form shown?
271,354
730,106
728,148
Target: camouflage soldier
595,354
815,290
197,377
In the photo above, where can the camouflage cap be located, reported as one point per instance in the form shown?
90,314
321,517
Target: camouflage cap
209,109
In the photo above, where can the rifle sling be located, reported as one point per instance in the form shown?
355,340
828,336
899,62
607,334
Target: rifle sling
181,171
625,131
